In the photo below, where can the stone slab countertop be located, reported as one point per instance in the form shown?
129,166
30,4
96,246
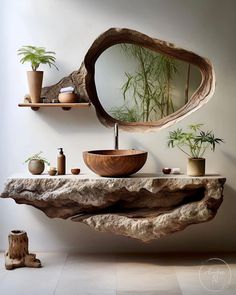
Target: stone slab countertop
142,206
94,176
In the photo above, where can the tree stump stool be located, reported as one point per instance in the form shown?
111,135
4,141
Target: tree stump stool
18,254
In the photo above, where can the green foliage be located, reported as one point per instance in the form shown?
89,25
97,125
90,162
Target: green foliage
37,156
125,113
36,56
149,86
196,140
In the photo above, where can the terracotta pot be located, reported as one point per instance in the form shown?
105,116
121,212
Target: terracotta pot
196,167
35,80
68,98
36,167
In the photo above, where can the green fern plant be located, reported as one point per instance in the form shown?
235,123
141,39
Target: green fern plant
196,141
36,56
37,156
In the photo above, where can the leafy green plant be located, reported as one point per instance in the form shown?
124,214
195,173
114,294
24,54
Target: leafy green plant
196,140
125,113
37,156
36,56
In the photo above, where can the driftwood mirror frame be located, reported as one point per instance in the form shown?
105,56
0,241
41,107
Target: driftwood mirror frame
83,79
116,36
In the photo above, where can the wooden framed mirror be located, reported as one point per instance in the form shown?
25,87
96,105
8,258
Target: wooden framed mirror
144,83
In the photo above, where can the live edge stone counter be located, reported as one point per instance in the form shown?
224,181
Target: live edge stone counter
144,207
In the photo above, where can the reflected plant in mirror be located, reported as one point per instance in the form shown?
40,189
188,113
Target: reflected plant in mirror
146,85
149,86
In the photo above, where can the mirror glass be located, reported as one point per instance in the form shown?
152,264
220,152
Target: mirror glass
136,84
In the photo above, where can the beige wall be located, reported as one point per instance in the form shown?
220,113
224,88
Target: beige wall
206,27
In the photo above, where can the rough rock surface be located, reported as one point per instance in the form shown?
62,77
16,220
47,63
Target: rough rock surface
144,208
75,79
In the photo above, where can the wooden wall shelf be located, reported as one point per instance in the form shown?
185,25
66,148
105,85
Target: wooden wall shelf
64,106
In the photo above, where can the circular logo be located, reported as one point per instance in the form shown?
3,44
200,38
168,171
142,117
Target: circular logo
215,274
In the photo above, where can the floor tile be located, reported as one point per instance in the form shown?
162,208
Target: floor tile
145,274
36,281
111,275
102,292
88,274
194,280
148,292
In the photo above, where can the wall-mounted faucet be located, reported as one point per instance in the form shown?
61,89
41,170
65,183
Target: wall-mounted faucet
116,136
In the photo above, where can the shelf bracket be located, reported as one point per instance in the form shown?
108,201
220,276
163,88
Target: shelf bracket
66,108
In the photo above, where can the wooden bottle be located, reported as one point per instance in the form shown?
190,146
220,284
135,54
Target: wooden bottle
61,163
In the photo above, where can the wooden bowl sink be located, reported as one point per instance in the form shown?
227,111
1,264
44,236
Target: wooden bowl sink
114,163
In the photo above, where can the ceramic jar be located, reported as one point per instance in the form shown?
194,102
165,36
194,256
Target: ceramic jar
68,97
196,167
36,167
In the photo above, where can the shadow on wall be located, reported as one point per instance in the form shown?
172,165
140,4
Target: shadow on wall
152,157
70,121
230,157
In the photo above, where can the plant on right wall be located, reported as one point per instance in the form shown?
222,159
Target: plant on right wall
194,144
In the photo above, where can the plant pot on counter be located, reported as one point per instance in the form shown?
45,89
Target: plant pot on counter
196,167
36,167
35,80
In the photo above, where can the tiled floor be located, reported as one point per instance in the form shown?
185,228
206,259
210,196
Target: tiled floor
64,274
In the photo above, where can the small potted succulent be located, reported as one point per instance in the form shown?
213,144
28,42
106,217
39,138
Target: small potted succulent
36,56
197,142
36,163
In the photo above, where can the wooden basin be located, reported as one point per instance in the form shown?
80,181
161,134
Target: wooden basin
115,162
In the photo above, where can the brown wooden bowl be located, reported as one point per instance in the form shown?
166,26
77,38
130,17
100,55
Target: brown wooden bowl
68,97
166,170
75,171
52,172
114,163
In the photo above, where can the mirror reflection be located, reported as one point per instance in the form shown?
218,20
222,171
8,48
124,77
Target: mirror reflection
135,84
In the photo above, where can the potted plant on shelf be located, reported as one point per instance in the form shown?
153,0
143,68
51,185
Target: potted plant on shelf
36,163
36,56
197,142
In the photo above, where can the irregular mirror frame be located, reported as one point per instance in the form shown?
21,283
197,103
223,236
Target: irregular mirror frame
83,79
117,36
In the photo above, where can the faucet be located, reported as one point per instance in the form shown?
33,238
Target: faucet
116,136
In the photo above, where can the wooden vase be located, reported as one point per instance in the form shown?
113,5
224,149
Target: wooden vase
196,167
35,80
18,254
